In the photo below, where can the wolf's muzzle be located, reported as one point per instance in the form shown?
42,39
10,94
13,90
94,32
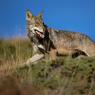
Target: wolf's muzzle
39,31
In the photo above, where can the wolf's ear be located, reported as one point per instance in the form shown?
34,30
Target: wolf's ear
28,15
40,15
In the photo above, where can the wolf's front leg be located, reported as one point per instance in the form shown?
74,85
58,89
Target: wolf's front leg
53,55
35,58
35,48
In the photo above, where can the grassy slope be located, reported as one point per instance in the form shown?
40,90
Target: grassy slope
68,77
13,52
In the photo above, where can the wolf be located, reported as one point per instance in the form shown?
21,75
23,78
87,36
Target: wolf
56,42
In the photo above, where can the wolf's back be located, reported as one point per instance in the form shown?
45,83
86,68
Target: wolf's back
72,40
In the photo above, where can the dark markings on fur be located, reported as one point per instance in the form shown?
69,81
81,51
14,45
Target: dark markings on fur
78,53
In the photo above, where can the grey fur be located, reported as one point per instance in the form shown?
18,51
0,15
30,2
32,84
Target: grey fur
58,41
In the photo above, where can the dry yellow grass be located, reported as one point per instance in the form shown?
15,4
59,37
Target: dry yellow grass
13,53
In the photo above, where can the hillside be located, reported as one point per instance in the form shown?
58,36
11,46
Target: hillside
67,77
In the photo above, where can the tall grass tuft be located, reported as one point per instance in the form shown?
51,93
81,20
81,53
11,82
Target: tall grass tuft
14,52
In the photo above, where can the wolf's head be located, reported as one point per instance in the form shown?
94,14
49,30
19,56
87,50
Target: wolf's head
35,25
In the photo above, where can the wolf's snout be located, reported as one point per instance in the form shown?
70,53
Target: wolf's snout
39,31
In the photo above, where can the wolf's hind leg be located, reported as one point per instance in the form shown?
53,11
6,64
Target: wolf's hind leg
76,53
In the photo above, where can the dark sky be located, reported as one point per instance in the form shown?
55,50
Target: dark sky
74,15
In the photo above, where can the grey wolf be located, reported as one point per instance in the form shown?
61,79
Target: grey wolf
56,42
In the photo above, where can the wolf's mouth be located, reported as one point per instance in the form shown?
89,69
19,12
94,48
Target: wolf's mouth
39,33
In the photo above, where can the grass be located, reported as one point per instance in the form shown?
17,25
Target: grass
68,77
13,52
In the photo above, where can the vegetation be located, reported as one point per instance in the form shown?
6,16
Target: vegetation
67,77
13,52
